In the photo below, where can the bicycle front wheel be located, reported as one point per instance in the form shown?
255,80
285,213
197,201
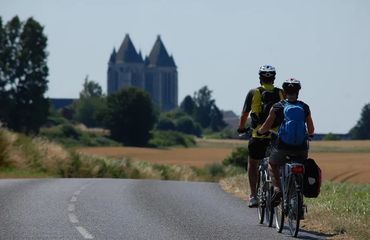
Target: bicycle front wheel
261,197
294,201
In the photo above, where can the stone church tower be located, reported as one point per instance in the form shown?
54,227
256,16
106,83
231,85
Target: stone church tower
157,74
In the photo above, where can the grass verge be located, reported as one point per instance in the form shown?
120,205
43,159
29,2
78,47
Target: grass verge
344,207
342,210
21,156
22,173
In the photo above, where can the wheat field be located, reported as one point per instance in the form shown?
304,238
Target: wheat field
340,161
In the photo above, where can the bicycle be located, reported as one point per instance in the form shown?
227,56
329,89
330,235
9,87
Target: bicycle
264,186
264,193
292,204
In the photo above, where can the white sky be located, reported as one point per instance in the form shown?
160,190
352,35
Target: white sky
221,44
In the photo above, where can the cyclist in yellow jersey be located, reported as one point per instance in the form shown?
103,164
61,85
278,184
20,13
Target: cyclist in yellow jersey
257,105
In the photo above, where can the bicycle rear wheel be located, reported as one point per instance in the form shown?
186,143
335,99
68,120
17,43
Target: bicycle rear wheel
261,197
294,208
279,215
269,208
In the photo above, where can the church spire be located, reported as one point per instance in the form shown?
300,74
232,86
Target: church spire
127,52
159,55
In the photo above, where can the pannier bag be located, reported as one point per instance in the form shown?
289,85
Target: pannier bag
312,179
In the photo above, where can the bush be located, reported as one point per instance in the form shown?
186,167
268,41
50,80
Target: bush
187,125
170,138
69,131
70,136
4,145
216,170
165,124
237,158
331,137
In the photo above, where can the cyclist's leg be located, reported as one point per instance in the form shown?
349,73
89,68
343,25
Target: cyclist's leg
277,158
257,149
252,175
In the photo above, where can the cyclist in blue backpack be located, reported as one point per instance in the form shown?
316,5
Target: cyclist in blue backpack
296,124
257,105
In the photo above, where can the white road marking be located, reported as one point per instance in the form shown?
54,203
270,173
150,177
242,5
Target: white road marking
71,207
84,233
72,218
77,193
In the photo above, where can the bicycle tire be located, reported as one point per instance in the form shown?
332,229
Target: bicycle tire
279,216
269,208
294,207
260,195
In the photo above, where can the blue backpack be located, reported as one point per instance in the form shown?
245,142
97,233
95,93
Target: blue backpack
293,129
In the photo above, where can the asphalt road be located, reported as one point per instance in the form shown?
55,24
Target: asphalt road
126,209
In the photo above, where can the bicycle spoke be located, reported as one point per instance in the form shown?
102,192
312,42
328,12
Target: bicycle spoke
261,198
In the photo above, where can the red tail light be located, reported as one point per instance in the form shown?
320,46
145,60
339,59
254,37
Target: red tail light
297,169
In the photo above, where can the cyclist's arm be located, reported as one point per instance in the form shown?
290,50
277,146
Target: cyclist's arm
310,126
266,126
246,109
243,119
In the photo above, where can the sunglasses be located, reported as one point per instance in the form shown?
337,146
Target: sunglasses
267,74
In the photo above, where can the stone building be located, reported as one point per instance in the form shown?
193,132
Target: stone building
157,74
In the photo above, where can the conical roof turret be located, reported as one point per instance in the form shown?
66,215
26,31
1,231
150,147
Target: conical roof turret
113,56
127,52
159,56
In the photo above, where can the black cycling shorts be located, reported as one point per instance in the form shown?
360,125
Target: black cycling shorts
257,147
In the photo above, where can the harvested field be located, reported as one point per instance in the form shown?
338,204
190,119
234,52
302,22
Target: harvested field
197,157
344,167
339,160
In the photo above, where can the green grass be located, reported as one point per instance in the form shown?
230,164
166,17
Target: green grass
345,207
22,173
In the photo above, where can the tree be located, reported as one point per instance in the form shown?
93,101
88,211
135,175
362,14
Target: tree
130,116
204,102
206,111
362,128
217,119
188,105
187,125
91,89
23,76
91,105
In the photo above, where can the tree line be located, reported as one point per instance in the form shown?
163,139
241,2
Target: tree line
129,114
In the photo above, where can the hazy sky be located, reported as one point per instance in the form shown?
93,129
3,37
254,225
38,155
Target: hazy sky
221,44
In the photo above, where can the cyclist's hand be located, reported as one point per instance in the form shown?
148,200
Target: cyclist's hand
241,130
310,137
263,134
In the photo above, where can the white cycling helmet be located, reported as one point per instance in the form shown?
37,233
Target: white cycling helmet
292,85
267,71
